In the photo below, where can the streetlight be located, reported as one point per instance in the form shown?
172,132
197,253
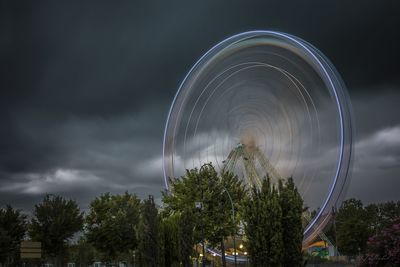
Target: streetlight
214,254
233,213
199,205
233,220
334,229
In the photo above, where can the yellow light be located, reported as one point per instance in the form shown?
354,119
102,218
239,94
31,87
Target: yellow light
241,246
201,255
214,254
245,253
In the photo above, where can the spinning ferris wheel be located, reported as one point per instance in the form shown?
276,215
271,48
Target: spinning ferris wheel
260,103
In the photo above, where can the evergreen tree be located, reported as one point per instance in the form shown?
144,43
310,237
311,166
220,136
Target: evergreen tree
170,252
262,217
149,234
186,236
292,229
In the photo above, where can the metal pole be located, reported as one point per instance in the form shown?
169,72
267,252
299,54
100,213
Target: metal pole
203,262
234,248
334,228
233,220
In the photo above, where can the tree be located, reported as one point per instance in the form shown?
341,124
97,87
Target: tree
12,231
82,253
186,224
170,248
352,227
111,225
383,249
54,222
262,215
149,234
382,215
179,202
292,228
212,221
222,221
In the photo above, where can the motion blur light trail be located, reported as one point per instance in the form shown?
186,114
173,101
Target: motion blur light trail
269,92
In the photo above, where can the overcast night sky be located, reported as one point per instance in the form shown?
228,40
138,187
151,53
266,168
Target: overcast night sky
86,87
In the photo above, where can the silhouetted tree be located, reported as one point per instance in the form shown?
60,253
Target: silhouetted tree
382,215
383,249
213,221
12,231
149,234
111,225
262,215
55,220
292,228
352,227
170,249
82,253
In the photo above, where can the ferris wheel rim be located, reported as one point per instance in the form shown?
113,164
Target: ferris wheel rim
336,86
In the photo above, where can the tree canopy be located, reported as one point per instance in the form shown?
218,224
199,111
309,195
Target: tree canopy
149,227
12,231
55,220
111,224
262,216
292,227
213,218
383,249
352,227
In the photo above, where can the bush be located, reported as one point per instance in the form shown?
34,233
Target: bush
383,249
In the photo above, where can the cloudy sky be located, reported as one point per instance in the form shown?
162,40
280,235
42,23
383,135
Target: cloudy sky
86,87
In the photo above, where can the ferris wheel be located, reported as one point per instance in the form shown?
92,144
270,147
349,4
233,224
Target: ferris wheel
265,103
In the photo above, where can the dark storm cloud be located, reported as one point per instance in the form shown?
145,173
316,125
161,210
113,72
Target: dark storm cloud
85,87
